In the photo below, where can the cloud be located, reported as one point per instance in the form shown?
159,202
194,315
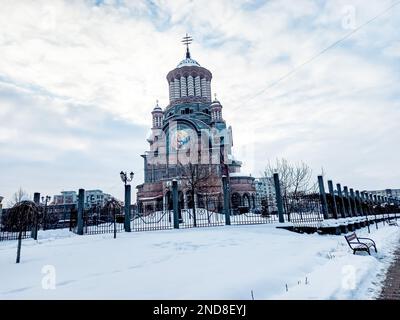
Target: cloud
80,78
48,145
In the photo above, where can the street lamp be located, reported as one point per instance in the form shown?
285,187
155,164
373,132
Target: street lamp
225,190
126,179
175,201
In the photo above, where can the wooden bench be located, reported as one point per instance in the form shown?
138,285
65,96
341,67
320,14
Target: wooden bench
357,245
393,223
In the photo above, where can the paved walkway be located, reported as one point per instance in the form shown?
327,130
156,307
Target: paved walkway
391,287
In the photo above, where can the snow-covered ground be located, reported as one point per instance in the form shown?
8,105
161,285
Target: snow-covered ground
225,262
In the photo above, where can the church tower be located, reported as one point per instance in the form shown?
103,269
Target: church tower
189,128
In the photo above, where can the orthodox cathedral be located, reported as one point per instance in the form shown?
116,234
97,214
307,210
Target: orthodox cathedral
190,142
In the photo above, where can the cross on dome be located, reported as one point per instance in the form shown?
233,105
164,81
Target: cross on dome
188,61
186,41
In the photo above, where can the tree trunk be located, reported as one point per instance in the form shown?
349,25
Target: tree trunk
194,209
115,226
19,245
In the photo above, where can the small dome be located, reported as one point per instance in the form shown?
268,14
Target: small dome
157,108
188,62
215,103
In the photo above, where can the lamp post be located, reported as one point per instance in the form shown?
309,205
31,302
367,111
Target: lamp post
45,200
225,190
126,179
177,214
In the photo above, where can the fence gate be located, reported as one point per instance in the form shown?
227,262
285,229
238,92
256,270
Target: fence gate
257,211
103,219
207,213
152,218
303,210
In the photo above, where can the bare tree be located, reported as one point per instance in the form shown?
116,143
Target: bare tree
20,218
195,177
114,207
295,178
18,196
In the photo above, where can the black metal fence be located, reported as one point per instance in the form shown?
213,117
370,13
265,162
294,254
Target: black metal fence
208,213
13,235
303,209
102,219
154,219
8,232
262,210
298,209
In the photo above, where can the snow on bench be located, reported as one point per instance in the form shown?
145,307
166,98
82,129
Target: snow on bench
356,245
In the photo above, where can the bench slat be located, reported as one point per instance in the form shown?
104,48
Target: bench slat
351,237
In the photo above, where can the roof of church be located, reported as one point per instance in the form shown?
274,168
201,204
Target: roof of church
188,62
157,108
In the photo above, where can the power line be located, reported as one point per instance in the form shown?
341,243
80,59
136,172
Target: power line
294,70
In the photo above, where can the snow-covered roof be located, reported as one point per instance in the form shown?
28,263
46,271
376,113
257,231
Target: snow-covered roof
150,198
239,174
188,62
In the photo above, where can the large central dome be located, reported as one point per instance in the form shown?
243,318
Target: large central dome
189,82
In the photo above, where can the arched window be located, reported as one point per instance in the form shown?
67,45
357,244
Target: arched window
236,200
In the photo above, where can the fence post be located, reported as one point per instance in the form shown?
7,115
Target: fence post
368,210
346,194
343,208
81,201
226,200
323,197
279,202
127,221
354,201
332,192
175,203
1,211
360,201
35,227
371,199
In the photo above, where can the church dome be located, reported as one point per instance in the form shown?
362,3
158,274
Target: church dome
157,108
188,62
215,103
189,82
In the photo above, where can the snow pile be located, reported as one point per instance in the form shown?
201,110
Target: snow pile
227,262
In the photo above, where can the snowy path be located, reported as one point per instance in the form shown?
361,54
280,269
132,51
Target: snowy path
204,263
391,285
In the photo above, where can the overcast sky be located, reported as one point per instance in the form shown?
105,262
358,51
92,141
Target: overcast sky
78,80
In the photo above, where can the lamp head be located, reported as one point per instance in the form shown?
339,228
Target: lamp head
123,176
